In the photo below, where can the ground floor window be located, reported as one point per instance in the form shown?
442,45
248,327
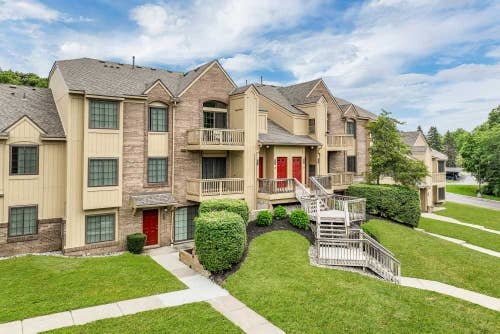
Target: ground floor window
99,228
184,223
22,221
351,164
441,194
312,170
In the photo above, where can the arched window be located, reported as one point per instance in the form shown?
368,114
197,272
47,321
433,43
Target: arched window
350,127
214,114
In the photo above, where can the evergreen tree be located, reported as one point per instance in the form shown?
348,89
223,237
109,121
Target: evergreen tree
434,139
450,149
419,129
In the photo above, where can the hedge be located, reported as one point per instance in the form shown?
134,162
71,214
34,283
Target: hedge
300,219
264,218
136,242
280,213
399,203
237,206
220,239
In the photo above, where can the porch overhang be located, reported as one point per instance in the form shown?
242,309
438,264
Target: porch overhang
152,200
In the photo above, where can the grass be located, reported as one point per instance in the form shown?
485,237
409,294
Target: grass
38,285
471,235
277,281
468,190
185,319
427,257
472,214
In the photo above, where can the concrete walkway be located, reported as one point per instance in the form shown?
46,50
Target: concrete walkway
199,289
469,200
461,243
454,221
450,290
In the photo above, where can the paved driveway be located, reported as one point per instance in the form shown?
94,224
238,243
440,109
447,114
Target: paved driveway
482,202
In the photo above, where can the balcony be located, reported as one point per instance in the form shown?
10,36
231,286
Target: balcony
438,178
215,139
340,142
276,190
198,190
336,181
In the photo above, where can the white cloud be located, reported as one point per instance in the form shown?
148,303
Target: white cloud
26,9
494,52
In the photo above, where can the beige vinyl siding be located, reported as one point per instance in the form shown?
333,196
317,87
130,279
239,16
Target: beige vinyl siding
46,189
262,122
289,152
158,144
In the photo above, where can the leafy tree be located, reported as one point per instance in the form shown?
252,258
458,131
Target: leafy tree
24,79
450,149
434,139
389,156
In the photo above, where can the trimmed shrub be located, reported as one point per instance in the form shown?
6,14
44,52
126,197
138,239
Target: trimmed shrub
280,213
220,239
264,218
136,242
237,206
300,219
399,203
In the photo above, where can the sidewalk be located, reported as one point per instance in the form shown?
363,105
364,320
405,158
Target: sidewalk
454,221
199,289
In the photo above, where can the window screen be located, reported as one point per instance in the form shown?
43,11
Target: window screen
158,120
24,160
22,221
99,228
157,170
103,172
103,114
351,164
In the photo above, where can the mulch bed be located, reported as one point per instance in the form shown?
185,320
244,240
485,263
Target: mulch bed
253,231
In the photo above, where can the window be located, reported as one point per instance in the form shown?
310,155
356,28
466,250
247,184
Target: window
158,120
215,104
351,128
99,228
441,194
312,170
103,114
440,166
103,172
214,120
213,168
327,123
157,170
312,125
184,223
23,221
24,160
351,164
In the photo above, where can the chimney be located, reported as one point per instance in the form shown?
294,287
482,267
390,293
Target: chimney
261,79
246,82
133,61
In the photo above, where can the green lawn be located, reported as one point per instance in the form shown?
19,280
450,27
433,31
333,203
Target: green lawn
428,257
471,235
185,319
37,285
468,190
277,281
472,215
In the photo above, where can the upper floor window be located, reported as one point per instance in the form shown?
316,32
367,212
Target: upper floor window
441,168
312,125
214,115
22,221
351,164
158,120
157,170
103,172
24,160
103,114
351,128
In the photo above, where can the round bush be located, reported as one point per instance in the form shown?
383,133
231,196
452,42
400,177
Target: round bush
300,219
280,213
237,206
264,218
220,239
136,242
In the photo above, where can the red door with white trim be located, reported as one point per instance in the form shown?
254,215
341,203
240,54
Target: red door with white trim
281,170
261,167
150,226
297,168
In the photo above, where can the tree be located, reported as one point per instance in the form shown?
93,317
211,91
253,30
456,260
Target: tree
24,79
434,139
419,129
389,156
450,149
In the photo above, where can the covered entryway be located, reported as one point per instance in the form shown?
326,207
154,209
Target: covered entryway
150,226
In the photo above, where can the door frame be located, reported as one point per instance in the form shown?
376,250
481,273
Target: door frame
157,227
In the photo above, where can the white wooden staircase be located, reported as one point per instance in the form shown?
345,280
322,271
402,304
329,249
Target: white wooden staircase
338,242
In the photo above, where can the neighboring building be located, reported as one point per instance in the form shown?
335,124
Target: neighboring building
432,189
112,149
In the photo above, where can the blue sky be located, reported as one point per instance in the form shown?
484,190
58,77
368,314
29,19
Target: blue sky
427,62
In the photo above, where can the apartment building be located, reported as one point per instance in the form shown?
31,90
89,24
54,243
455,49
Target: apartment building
111,149
432,188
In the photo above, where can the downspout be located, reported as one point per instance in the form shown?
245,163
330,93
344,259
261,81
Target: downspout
172,187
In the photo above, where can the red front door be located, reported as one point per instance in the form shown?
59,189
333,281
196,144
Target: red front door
261,167
150,226
281,170
297,168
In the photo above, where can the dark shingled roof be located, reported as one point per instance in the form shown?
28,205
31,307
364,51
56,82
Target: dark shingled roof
409,137
438,155
152,199
276,135
296,94
98,77
35,103
344,105
273,93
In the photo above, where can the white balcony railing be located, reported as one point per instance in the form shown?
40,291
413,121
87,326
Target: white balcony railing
276,186
335,179
214,187
214,137
438,177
